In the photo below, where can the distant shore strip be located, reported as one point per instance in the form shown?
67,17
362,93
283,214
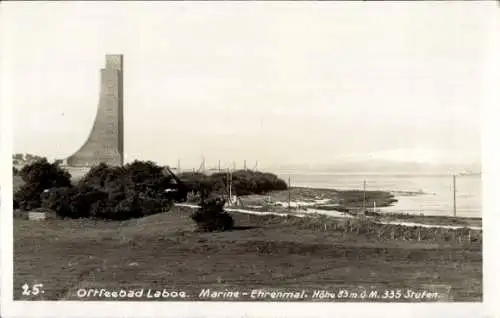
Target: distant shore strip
312,212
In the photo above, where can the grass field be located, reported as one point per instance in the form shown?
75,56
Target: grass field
164,251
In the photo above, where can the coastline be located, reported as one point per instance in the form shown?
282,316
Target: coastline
381,220
305,201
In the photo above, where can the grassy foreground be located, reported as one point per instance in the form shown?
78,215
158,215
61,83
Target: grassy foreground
163,252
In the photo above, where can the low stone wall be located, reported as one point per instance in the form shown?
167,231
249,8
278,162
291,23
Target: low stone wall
36,216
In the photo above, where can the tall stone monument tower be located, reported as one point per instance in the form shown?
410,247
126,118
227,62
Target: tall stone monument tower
105,141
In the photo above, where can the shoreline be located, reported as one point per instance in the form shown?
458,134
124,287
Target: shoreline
344,216
307,201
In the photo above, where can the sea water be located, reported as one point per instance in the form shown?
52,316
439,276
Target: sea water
436,196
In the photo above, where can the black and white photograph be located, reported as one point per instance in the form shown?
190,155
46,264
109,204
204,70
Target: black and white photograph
245,152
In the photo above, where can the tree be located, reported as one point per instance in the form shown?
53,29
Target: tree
75,202
101,176
244,182
144,171
39,176
27,197
46,175
212,217
115,193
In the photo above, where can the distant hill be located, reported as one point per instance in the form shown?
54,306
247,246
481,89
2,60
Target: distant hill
379,166
404,160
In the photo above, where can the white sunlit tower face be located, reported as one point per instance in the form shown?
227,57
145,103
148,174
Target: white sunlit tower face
105,141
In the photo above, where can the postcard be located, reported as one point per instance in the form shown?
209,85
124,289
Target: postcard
197,159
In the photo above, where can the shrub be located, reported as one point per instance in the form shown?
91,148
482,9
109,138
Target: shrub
139,176
27,197
127,208
143,171
194,181
39,177
119,203
59,200
75,202
114,193
45,175
244,182
212,217
15,171
101,176
253,182
123,204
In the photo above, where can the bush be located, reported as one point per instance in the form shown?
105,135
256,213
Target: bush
139,176
194,181
122,204
127,208
45,175
114,193
144,171
59,200
39,177
27,197
244,182
86,202
101,176
252,182
15,171
74,202
212,217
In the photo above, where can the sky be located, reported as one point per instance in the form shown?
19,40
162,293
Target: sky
279,83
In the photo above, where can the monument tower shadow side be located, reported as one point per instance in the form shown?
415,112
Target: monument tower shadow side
105,141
